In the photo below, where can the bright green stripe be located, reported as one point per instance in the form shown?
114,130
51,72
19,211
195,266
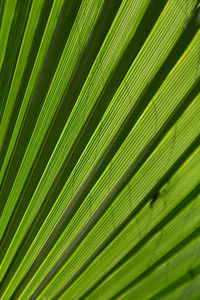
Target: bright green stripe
9,10
23,55
50,26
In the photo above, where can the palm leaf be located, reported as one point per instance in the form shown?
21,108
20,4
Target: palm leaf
99,149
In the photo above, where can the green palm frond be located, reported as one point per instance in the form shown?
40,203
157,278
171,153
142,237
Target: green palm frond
99,149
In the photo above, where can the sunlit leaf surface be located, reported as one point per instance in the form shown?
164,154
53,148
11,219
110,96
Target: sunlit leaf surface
99,149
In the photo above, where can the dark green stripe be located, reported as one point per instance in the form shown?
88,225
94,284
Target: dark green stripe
2,4
26,76
15,37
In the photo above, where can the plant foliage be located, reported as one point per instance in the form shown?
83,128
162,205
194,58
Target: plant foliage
99,149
